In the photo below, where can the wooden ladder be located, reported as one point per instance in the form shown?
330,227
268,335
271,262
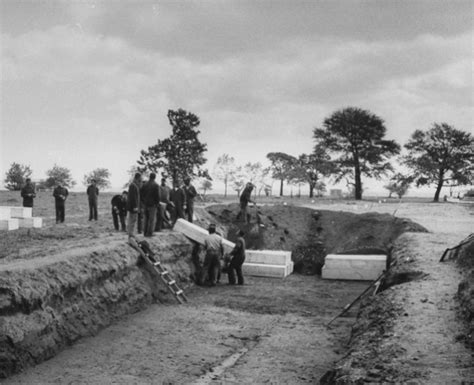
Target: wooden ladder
144,249
168,280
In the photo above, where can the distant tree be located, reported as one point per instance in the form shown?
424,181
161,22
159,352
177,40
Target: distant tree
59,175
281,166
181,154
312,168
356,138
224,169
205,186
16,175
441,155
399,184
100,175
238,179
320,188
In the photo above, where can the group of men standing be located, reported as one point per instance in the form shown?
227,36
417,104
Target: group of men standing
158,206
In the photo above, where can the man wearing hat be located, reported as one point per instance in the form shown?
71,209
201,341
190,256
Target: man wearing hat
244,202
214,252
92,193
28,193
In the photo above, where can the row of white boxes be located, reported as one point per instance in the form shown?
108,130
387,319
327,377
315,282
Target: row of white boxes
261,263
13,218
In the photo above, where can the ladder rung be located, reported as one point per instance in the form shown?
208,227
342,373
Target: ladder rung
157,263
172,282
164,273
179,292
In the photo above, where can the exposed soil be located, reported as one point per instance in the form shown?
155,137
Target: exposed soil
270,331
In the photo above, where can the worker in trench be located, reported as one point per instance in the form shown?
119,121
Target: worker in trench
214,253
235,260
245,198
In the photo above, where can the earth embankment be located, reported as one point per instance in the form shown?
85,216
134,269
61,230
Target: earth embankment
48,303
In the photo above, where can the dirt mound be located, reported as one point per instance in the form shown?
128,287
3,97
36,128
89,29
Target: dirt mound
311,235
465,259
48,303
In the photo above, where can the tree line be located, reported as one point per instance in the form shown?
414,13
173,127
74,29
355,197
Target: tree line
350,145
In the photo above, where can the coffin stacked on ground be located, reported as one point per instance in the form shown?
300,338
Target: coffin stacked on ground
12,218
354,267
262,263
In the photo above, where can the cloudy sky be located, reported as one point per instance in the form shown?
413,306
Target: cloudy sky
87,84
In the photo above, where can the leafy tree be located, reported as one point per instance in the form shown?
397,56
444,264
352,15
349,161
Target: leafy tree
281,166
399,184
181,154
320,188
205,185
224,169
101,177
311,168
238,179
16,176
356,138
59,175
441,155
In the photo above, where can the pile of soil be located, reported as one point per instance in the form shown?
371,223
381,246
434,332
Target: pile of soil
310,235
465,260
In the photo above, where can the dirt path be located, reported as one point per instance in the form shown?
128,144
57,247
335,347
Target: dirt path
430,326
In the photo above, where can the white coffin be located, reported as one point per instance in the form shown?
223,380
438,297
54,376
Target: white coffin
9,224
261,270
35,222
268,257
5,213
354,267
21,212
198,234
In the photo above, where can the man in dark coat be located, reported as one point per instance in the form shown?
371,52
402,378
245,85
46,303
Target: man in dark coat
60,194
28,193
245,198
190,193
238,259
178,199
150,194
119,210
162,216
133,203
92,194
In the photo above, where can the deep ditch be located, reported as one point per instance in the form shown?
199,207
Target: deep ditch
48,307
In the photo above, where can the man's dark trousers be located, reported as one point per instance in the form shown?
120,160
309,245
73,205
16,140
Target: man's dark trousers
149,220
212,267
92,209
235,265
116,218
60,212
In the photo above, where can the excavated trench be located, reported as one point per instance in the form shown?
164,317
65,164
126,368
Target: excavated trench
51,302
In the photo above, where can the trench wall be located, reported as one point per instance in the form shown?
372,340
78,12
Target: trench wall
48,303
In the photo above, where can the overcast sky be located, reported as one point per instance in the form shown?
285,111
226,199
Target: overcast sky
87,84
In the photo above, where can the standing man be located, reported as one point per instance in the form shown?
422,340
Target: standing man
28,193
214,252
119,210
133,203
60,194
238,259
92,194
244,202
178,198
150,193
190,193
162,217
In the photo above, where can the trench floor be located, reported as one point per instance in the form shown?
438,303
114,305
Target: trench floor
267,331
